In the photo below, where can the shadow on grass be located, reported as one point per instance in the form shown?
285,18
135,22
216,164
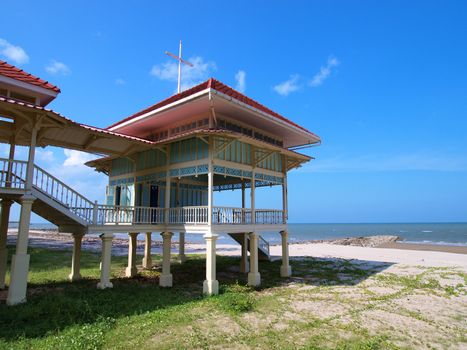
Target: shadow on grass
55,304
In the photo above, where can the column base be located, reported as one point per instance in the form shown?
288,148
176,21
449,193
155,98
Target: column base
254,279
147,263
131,271
19,279
105,285
74,277
165,280
211,287
286,271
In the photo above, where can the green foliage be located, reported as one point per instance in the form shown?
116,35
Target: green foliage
237,299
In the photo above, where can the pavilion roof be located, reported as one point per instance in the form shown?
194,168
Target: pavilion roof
219,87
16,73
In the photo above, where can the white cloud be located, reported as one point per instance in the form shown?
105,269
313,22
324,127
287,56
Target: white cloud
324,72
76,158
13,53
56,68
191,76
240,79
288,86
44,155
416,161
120,81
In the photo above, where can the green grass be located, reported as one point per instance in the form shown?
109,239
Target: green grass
138,313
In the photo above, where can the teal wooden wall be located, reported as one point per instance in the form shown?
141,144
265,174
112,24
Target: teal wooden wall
237,152
188,150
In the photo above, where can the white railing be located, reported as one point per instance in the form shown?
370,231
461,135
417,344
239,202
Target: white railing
63,194
188,215
269,216
228,215
128,215
13,173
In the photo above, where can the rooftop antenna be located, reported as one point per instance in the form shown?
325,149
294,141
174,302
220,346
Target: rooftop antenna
180,61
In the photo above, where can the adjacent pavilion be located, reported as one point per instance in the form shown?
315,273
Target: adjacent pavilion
163,163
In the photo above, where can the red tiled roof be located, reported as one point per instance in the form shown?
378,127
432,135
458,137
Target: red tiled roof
13,72
220,87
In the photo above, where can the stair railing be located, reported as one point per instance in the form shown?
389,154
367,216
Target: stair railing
263,244
13,173
63,194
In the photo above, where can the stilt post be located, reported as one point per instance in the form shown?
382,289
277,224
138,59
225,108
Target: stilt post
254,278
131,269
147,260
75,274
286,269
210,285
106,261
165,279
4,219
181,247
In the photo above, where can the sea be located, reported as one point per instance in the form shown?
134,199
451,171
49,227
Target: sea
429,233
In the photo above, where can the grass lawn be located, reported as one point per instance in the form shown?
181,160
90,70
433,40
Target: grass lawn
328,304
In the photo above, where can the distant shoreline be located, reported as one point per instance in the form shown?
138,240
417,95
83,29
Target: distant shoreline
54,239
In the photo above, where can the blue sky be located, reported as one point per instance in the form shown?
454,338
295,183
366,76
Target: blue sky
383,83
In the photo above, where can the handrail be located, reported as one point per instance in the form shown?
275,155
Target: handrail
263,244
63,194
13,173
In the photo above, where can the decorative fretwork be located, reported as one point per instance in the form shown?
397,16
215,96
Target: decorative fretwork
118,182
189,171
221,170
151,177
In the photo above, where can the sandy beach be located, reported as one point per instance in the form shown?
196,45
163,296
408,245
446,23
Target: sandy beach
350,248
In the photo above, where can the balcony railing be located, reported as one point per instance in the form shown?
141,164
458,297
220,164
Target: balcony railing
134,215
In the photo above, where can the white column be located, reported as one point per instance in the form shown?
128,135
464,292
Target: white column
20,260
181,247
244,262
286,269
131,269
5,217
252,194
106,260
210,191
284,200
210,285
167,196
75,274
165,279
147,260
254,278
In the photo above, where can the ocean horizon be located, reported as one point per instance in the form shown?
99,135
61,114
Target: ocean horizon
430,233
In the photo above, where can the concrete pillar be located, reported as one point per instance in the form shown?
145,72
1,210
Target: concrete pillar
131,269
244,266
286,269
75,274
165,279
181,247
5,217
210,285
254,278
105,261
147,260
20,260
284,199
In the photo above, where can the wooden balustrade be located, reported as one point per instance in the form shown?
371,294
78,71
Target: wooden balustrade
13,173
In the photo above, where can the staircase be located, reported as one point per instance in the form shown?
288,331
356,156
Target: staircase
55,201
263,245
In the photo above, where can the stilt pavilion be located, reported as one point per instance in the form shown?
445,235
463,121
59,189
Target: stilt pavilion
163,163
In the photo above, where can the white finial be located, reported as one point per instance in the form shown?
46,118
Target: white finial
180,61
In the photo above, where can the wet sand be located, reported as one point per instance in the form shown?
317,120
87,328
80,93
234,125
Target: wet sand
426,247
